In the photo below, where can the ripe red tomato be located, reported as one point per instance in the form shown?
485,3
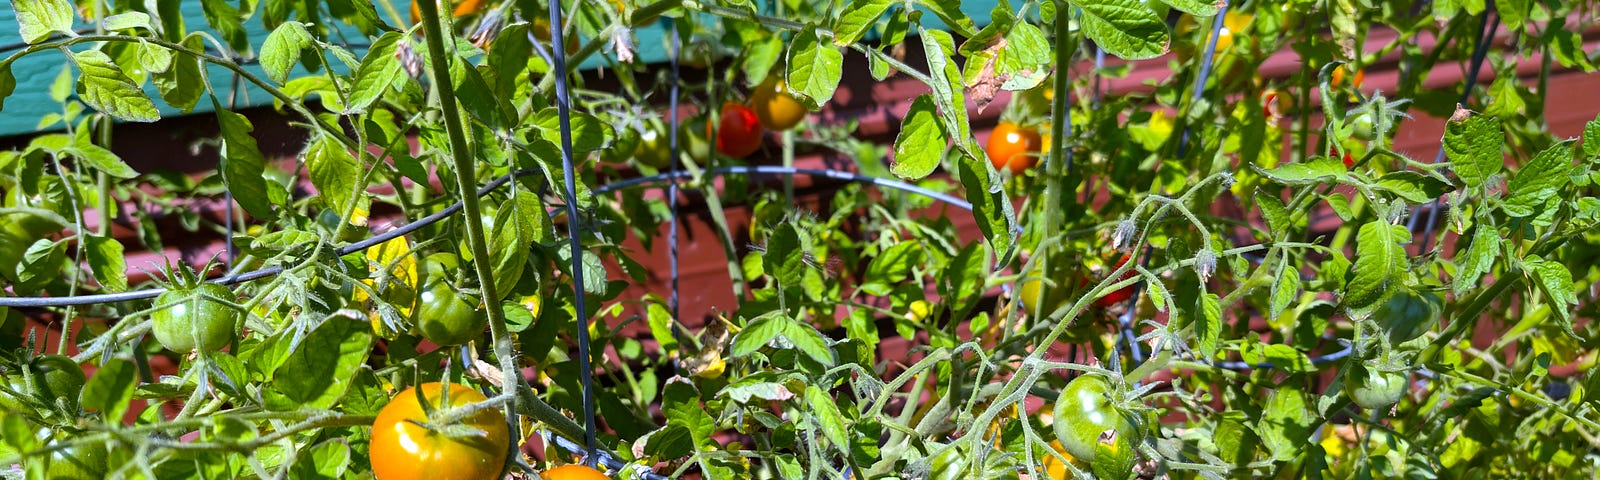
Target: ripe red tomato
1014,147
404,449
1122,295
777,109
1349,161
573,472
739,134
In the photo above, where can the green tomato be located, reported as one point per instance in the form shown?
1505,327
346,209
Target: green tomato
1362,125
78,462
1374,390
625,146
448,317
58,380
1094,430
653,148
192,321
694,139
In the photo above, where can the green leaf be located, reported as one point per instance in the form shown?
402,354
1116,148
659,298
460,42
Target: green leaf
1313,171
477,98
1274,211
1591,137
1539,180
41,262
378,71
126,21
814,68
101,159
1555,281
826,410
228,22
334,172
111,388
182,85
1477,259
858,19
1379,269
920,144
761,56
1198,8
589,133
783,332
283,46
1413,187
1026,59
1285,289
1514,12
327,460
8,83
1473,144
785,256
1208,327
321,367
961,279
1285,425
1125,28
949,12
661,324
948,88
107,261
990,207
103,86
893,265
516,226
243,167
37,19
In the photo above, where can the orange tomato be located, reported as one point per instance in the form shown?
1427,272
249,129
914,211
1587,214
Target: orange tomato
573,472
777,109
1012,146
404,449
460,9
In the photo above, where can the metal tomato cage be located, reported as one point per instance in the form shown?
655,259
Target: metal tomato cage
592,454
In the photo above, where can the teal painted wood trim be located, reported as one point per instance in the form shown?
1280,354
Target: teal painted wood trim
35,73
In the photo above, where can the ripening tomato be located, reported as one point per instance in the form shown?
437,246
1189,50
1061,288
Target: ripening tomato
407,446
573,472
739,131
1121,295
1093,429
1275,104
1349,161
449,317
1014,147
1338,76
777,109
1373,389
195,317
460,9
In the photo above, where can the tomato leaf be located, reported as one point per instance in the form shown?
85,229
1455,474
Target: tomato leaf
814,68
1477,259
1379,269
334,172
107,261
243,166
378,71
1274,212
783,332
920,144
1473,144
1555,281
1285,425
826,411
8,83
1286,288
103,86
588,132
326,460
858,19
516,227
317,373
1198,8
282,50
1315,170
1537,182
990,207
1125,28
37,19
949,12
785,255
111,388
1415,188
182,85
1208,325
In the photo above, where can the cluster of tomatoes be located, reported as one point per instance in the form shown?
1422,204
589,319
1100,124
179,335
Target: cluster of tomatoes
739,130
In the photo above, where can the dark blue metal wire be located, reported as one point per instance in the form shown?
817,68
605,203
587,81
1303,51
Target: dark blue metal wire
676,46
574,232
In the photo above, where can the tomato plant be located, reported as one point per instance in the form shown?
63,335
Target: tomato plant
1356,241
409,441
